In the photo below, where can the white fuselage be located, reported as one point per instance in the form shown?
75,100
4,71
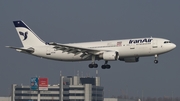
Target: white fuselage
126,48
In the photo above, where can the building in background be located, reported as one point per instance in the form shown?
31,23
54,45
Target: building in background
75,88
70,88
118,99
5,98
25,93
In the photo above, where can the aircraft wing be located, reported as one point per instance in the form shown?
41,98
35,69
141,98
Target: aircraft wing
29,50
87,52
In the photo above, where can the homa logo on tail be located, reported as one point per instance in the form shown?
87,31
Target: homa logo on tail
24,34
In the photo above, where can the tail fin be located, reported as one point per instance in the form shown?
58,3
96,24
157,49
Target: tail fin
26,35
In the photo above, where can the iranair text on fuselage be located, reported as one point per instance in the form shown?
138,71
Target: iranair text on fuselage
141,41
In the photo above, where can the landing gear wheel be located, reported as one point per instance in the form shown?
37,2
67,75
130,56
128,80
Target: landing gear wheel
103,67
90,65
106,66
155,61
93,65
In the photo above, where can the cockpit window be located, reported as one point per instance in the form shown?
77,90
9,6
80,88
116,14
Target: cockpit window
167,42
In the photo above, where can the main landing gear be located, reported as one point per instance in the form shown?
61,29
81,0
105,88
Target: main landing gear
155,61
94,65
106,66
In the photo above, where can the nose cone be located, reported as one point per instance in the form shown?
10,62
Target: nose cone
173,45
168,47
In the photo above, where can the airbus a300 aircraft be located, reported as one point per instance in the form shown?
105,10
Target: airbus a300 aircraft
128,50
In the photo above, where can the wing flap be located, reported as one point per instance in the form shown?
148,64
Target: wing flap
74,49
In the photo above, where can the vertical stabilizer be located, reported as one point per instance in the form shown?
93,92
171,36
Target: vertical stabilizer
26,35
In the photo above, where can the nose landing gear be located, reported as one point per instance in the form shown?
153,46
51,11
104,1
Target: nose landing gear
155,61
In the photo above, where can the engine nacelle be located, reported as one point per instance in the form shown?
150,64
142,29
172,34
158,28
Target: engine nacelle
130,59
110,56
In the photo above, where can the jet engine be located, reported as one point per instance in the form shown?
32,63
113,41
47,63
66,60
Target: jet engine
109,56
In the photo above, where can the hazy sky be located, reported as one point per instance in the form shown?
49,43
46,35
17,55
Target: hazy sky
77,21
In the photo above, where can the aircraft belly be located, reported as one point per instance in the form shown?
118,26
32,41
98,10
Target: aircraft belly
128,53
65,56
137,52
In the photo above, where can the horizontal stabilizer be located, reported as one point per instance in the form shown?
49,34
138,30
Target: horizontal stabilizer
29,50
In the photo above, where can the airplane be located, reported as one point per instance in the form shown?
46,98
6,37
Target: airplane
127,50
